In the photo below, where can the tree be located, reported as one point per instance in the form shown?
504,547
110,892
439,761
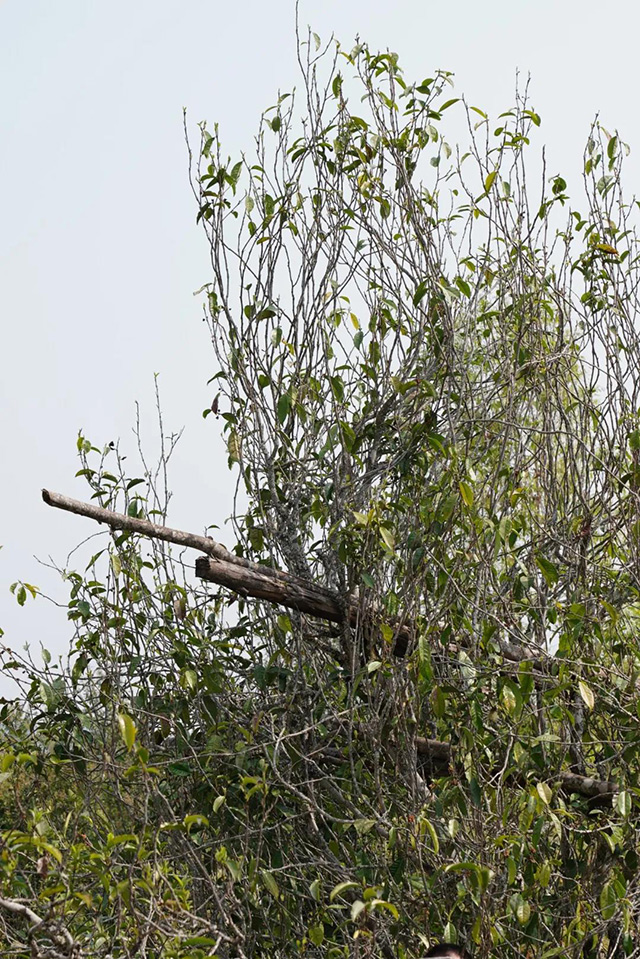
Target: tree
416,716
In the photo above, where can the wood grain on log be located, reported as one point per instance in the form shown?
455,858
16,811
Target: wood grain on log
294,594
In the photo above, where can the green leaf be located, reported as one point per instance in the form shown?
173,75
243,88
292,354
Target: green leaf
269,883
284,405
367,579
84,609
548,570
233,447
356,909
463,286
316,934
387,538
378,904
467,494
488,183
337,387
195,819
421,289
430,828
523,912
587,694
363,826
446,508
545,793
189,679
127,730
341,888
623,803
608,900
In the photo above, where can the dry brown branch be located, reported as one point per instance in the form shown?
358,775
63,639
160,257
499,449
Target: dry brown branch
249,579
233,572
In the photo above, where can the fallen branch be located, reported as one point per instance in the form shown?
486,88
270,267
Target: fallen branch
294,594
261,582
586,786
205,544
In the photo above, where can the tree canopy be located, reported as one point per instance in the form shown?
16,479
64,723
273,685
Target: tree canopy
425,726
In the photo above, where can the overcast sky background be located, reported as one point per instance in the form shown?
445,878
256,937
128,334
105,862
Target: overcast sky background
99,251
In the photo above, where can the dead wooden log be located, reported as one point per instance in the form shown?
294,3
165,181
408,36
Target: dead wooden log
220,566
433,750
586,786
294,594
235,572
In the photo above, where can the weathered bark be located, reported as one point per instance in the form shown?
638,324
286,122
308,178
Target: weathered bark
234,572
294,594
586,786
433,750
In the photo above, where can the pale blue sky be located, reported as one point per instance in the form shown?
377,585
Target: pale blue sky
99,252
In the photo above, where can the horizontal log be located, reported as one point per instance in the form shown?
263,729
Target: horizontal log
235,572
294,594
433,750
586,786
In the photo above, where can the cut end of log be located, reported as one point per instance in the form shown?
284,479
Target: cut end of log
46,497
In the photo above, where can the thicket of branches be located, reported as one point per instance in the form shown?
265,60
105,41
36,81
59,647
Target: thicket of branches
426,377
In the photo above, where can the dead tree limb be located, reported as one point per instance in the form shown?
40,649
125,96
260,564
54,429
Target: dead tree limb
64,945
294,594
